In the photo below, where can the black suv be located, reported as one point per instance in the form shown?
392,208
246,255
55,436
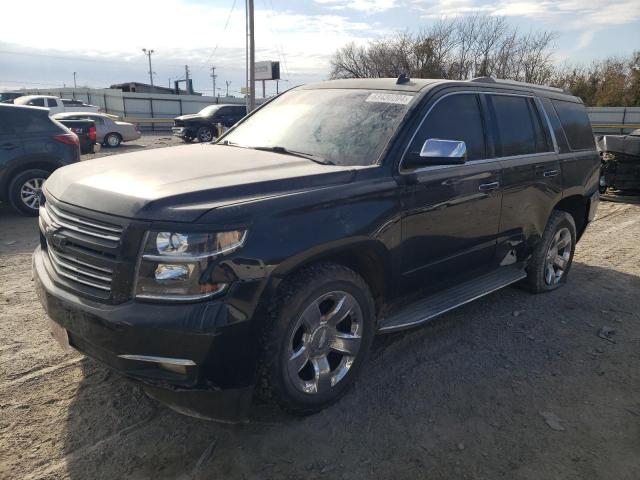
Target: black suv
32,145
204,124
335,212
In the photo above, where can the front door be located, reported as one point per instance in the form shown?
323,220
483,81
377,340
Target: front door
451,213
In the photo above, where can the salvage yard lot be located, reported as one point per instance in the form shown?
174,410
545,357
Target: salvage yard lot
513,386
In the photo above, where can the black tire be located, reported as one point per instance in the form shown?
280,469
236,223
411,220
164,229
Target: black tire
205,134
34,177
112,140
544,274
297,295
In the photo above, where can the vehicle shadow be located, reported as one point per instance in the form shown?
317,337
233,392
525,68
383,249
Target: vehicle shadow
18,233
458,398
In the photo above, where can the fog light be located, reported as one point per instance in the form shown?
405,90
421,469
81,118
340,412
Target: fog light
168,271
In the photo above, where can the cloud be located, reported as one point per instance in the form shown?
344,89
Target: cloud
369,6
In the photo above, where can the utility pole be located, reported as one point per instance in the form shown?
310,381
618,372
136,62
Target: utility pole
251,98
228,82
213,77
148,54
74,80
186,76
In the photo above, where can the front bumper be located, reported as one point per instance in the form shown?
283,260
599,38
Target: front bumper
182,132
218,386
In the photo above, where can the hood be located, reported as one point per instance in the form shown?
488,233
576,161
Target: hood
627,144
191,116
182,183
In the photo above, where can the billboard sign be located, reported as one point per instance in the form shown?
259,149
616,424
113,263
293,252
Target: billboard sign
267,70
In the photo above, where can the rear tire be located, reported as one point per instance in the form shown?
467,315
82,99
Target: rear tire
24,191
549,266
112,140
317,338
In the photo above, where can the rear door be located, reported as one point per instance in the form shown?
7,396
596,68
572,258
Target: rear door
531,177
452,212
11,148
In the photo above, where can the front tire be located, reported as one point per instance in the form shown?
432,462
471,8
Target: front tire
24,191
205,134
317,339
549,266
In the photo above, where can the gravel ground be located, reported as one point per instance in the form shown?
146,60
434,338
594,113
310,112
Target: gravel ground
147,141
513,386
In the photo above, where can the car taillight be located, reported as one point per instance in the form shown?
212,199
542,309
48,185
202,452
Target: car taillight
68,138
92,134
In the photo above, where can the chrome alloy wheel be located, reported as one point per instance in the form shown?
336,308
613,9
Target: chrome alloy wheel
30,192
324,342
558,257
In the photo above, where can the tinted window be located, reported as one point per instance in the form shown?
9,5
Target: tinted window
97,120
555,124
575,123
25,121
457,117
518,127
36,102
51,102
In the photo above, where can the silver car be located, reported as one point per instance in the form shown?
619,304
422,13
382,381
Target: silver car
109,131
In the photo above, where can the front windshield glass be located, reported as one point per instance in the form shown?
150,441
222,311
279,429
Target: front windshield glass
342,126
208,111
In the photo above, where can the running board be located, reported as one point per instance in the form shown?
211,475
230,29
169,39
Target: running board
428,308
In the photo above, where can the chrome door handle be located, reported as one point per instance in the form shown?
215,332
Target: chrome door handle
550,173
485,187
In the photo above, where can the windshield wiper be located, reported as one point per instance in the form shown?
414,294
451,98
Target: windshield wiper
286,151
227,143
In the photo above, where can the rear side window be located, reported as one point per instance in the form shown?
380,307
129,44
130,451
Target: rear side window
519,130
575,123
36,102
27,122
457,117
51,102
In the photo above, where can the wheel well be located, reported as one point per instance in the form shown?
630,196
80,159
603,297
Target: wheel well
366,261
576,206
21,167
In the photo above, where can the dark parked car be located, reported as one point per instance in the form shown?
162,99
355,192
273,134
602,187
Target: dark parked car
9,97
204,124
337,211
32,145
86,131
620,161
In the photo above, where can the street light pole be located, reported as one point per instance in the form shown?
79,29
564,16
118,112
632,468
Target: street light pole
213,77
228,82
251,98
148,54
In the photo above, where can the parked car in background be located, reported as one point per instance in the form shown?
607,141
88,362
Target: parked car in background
54,104
32,145
336,211
85,129
109,132
203,125
9,97
620,156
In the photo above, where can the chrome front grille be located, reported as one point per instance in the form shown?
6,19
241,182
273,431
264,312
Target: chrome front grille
82,250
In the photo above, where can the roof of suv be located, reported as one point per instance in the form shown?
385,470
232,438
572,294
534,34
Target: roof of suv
419,84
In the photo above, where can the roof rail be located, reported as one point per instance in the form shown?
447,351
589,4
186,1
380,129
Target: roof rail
519,84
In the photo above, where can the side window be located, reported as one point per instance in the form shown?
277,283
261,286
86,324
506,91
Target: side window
563,146
97,120
518,127
51,102
456,117
575,123
36,102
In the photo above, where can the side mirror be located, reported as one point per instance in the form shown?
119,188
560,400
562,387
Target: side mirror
438,152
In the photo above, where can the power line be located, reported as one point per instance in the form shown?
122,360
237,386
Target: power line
226,25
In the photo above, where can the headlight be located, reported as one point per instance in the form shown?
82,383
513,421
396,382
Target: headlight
177,266
608,156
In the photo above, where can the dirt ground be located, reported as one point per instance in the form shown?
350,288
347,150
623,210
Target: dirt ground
513,386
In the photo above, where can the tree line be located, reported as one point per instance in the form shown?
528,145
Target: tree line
480,45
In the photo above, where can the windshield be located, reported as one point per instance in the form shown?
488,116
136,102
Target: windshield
342,126
208,111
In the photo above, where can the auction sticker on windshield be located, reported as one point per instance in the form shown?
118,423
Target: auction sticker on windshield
390,98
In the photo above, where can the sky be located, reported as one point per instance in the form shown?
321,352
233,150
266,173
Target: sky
104,45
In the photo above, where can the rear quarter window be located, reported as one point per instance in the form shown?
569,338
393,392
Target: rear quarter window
27,122
575,123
